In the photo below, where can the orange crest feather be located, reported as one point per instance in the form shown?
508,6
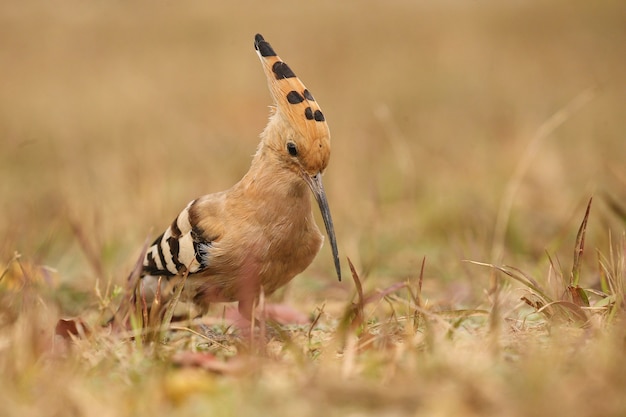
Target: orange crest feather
293,100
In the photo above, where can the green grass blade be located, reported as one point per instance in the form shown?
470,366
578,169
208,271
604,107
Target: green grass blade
579,248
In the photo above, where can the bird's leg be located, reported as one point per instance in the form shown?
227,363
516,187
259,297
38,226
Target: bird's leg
246,308
248,289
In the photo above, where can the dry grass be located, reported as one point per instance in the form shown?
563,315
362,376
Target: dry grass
459,133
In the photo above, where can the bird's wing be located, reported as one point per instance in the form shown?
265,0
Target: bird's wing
184,245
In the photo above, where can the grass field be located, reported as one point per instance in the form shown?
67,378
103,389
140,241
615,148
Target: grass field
464,133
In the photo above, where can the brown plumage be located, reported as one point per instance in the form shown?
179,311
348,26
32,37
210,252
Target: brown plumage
261,232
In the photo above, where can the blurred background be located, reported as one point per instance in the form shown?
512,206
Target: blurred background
113,115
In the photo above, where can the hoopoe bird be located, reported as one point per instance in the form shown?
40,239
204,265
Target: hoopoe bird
259,234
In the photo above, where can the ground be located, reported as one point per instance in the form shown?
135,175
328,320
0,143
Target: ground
467,141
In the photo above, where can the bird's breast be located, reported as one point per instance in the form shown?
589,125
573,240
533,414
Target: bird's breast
291,245
268,238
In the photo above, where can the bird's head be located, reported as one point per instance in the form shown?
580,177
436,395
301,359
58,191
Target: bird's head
297,131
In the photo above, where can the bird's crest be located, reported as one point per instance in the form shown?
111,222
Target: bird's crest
293,100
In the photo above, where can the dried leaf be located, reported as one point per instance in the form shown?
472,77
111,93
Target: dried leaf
519,276
67,328
357,282
579,296
577,313
358,307
537,305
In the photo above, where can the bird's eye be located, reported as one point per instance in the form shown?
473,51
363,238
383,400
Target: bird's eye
291,148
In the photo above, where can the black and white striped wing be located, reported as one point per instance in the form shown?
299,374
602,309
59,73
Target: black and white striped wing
181,247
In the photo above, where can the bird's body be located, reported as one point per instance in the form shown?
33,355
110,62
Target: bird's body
260,233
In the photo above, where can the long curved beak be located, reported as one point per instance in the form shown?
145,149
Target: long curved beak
315,184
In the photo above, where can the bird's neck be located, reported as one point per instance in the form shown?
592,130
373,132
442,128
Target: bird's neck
269,179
